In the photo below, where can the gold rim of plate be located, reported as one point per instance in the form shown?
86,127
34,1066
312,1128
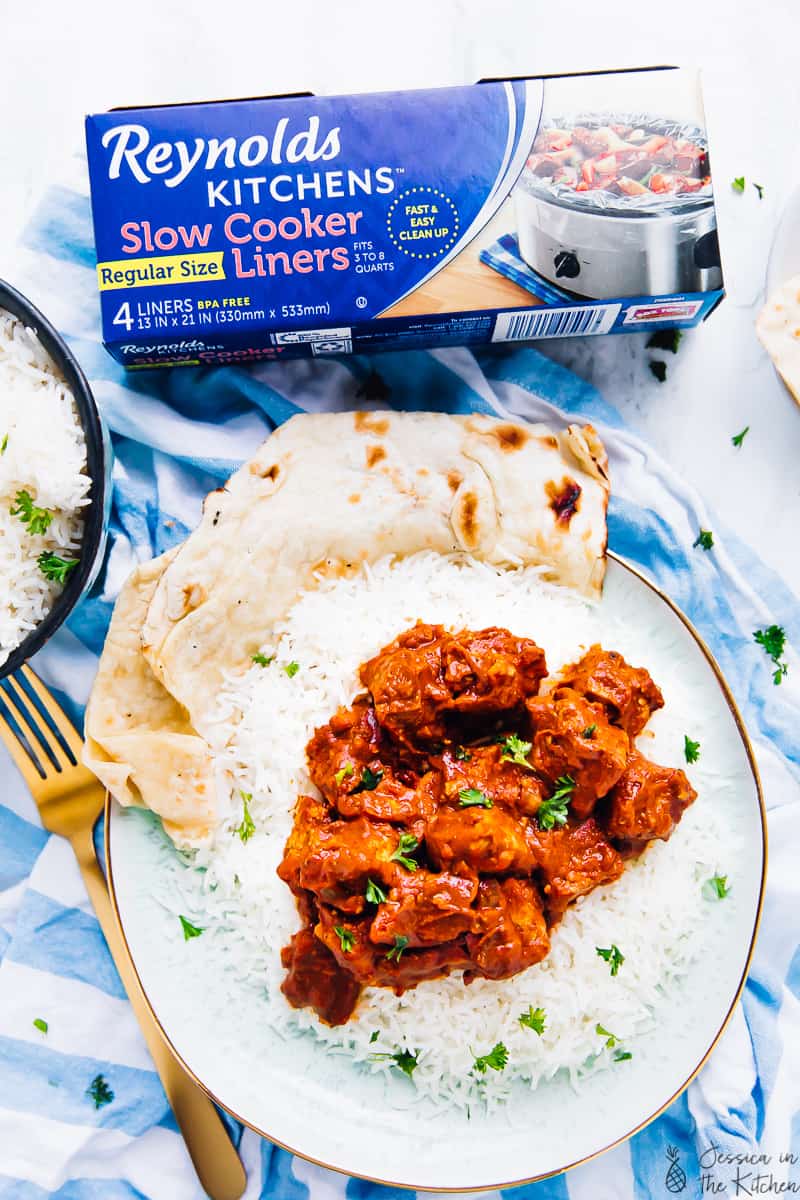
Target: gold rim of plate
420,1187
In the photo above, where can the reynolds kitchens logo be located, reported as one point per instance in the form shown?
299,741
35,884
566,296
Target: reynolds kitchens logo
132,148
258,166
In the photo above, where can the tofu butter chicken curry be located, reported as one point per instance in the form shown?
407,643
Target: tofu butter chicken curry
462,810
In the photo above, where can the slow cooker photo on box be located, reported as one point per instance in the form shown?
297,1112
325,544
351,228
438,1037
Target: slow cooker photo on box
617,205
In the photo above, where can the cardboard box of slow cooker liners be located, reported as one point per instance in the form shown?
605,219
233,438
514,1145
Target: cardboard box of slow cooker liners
502,211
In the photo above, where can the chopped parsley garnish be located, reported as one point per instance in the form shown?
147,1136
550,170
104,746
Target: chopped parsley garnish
611,1040
533,1019
496,1059
369,781
738,183
41,1025
190,930
262,660
553,810
589,731
99,1091
773,640
516,751
738,438
474,798
247,827
613,956
705,538
396,952
373,1037
658,368
56,568
665,339
37,519
691,750
291,669
760,189
4,444
344,772
716,888
347,939
374,894
461,754
404,1060
407,845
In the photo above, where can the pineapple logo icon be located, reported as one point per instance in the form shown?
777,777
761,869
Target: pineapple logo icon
675,1180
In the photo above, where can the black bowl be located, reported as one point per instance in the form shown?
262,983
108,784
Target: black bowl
97,462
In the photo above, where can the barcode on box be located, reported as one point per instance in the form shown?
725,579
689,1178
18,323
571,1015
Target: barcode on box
560,322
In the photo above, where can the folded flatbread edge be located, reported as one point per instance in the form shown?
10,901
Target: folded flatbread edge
324,491
139,741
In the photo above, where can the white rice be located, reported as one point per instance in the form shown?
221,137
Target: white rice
45,455
657,913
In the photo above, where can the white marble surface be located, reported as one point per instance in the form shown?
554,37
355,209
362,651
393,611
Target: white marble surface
59,62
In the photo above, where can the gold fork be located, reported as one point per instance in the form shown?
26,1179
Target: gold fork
70,800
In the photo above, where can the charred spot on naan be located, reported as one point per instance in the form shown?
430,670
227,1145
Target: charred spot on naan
467,517
194,594
375,454
271,472
564,499
370,422
454,480
212,504
473,517
509,437
333,568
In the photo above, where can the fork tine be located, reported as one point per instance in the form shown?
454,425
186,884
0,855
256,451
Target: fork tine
20,749
43,722
50,708
12,691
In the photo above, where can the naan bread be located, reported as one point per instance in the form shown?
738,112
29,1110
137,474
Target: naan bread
328,492
139,741
778,328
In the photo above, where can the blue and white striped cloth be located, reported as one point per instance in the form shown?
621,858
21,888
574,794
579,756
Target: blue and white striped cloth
177,434
504,257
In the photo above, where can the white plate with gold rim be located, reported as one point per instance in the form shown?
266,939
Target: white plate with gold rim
318,1104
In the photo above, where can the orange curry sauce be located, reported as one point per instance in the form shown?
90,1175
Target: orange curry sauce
462,812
